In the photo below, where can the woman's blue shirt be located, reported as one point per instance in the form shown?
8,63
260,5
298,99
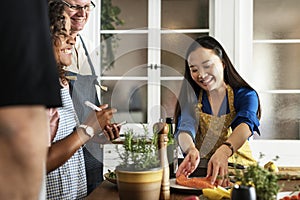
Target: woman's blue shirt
245,104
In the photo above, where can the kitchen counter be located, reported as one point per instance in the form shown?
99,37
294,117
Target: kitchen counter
109,191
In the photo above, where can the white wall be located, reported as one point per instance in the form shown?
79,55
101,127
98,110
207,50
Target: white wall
287,150
92,28
231,24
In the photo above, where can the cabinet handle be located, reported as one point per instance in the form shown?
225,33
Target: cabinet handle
156,66
151,66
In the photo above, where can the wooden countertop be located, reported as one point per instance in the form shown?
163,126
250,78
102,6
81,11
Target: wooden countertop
109,191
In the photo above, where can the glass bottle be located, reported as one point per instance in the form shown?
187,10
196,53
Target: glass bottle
172,148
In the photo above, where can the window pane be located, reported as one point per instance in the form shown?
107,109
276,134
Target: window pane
275,66
173,50
185,14
276,19
124,55
129,98
134,13
280,116
169,94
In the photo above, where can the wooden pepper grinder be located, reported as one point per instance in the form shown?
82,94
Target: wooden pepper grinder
162,129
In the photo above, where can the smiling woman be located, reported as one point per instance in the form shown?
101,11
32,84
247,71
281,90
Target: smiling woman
66,175
65,152
62,41
217,112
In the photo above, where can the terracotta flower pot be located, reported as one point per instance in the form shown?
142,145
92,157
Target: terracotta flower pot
137,185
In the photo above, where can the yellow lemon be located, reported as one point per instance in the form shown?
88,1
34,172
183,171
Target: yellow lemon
238,183
271,167
225,193
212,194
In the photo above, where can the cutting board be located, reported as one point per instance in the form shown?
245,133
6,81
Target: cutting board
284,173
289,172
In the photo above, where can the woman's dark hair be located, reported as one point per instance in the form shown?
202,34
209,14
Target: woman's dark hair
57,26
231,76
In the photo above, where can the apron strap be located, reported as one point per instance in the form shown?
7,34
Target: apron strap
230,98
87,55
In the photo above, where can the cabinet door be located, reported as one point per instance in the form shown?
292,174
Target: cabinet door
124,68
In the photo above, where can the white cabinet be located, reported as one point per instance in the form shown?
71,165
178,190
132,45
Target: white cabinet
110,157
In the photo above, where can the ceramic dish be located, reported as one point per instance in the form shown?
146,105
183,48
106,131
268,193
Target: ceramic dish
179,188
112,180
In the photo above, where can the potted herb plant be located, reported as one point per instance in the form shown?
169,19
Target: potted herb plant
262,179
139,175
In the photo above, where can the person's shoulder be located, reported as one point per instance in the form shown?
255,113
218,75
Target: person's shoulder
91,46
244,91
84,38
87,41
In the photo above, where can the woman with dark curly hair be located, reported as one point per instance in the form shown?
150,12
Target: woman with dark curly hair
66,178
217,112
59,21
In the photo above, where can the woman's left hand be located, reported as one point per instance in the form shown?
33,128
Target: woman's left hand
189,163
218,167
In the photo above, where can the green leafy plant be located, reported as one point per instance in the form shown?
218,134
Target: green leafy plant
139,152
109,17
264,181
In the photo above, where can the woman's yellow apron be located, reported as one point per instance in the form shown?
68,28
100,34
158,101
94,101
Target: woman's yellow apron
215,130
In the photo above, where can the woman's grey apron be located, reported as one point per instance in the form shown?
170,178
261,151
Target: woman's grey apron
82,89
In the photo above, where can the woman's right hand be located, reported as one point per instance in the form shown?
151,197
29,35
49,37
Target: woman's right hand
189,163
105,115
100,119
112,131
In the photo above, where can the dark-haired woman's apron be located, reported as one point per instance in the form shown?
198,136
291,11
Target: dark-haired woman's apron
214,130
